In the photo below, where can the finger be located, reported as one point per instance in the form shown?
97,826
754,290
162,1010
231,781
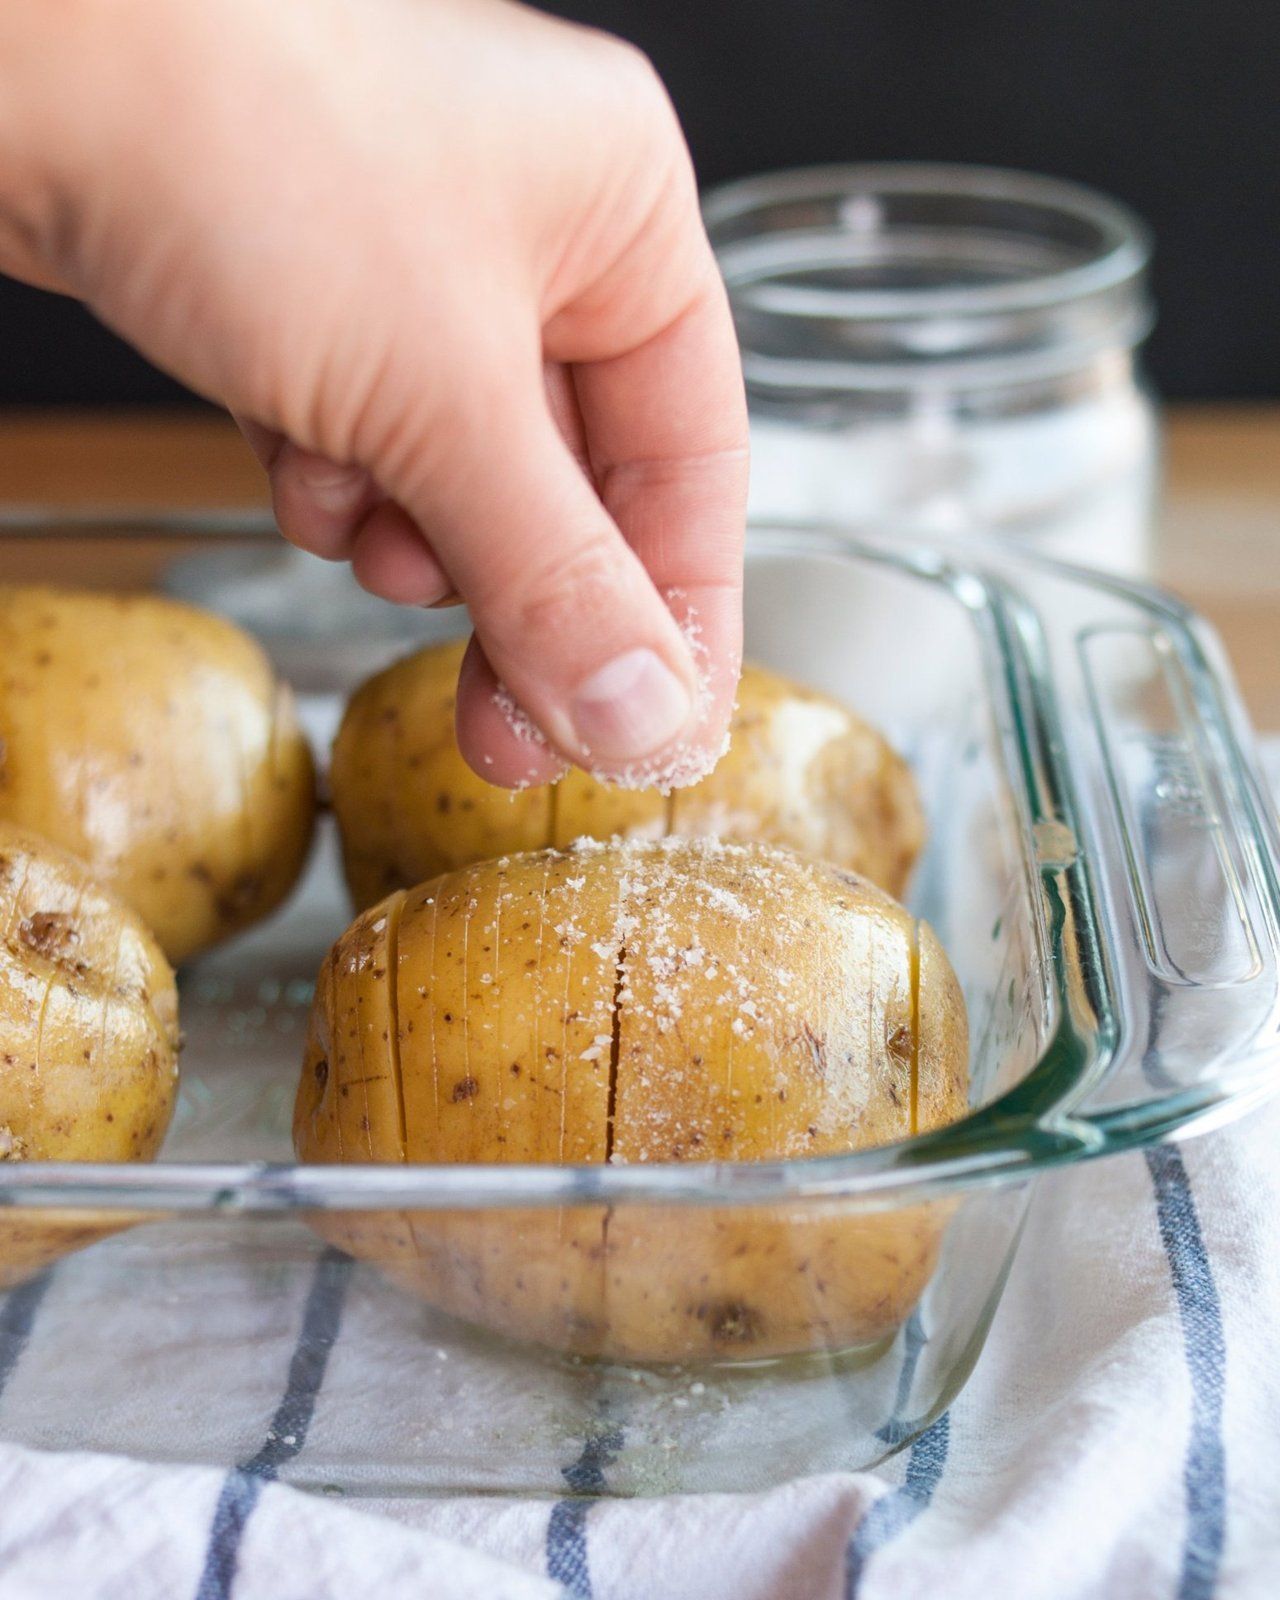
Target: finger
501,746
562,401
390,558
320,504
666,430
263,441
563,608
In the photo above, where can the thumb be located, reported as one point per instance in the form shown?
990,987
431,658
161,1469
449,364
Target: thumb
568,619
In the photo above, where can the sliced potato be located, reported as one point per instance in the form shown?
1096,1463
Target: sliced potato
88,1035
683,1000
800,771
154,741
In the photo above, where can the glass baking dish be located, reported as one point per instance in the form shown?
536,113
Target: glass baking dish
1101,867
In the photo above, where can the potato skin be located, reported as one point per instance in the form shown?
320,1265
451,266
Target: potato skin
89,1031
800,771
154,741
681,1000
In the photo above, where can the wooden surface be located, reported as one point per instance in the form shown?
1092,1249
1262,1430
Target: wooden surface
126,459
1219,536
1218,542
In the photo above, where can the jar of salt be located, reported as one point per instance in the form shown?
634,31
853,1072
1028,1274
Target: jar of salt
943,351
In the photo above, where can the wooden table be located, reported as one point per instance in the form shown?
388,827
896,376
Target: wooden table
1218,542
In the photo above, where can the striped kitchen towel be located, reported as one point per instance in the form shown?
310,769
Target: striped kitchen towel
1119,1437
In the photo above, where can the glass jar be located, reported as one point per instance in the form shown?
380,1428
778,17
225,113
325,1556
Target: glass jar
944,350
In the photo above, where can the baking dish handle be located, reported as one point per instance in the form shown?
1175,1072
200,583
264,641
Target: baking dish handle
1158,826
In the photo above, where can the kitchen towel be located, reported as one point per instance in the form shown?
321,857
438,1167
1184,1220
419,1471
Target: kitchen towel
1119,1437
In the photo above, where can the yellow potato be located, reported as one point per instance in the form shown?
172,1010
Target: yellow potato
680,1000
408,805
801,771
88,1035
154,741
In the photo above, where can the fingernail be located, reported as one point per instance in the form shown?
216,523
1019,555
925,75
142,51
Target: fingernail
630,707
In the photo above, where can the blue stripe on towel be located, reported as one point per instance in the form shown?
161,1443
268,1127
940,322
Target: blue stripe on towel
16,1319
900,1507
238,1498
288,1431
567,1560
897,1429
1200,1312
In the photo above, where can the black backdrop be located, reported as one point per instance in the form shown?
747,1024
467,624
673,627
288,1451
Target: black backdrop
1173,105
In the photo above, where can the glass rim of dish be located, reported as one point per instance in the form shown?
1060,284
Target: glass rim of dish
1042,1121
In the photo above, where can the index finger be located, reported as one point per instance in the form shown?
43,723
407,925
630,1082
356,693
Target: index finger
666,431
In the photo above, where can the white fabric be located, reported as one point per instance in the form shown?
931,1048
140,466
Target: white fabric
1120,1436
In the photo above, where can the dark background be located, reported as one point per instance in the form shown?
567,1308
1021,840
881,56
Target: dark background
1173,105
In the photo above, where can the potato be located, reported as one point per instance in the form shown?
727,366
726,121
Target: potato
677,1000
801,771
154,741
88,1036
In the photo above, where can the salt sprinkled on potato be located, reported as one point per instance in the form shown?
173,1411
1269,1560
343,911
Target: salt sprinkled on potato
670,1001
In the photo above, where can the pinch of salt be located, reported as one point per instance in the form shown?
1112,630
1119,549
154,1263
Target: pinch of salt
516,717
725,900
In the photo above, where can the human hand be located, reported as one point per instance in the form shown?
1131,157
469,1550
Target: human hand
444,260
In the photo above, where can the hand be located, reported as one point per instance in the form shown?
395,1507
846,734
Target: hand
444,260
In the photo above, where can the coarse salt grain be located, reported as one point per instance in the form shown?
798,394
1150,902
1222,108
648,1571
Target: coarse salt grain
516,717
684,766
725,900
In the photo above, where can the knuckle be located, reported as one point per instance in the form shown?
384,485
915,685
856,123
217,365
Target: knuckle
628,58
640,81
575,594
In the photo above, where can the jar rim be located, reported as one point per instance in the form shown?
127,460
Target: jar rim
893,275
1123,252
